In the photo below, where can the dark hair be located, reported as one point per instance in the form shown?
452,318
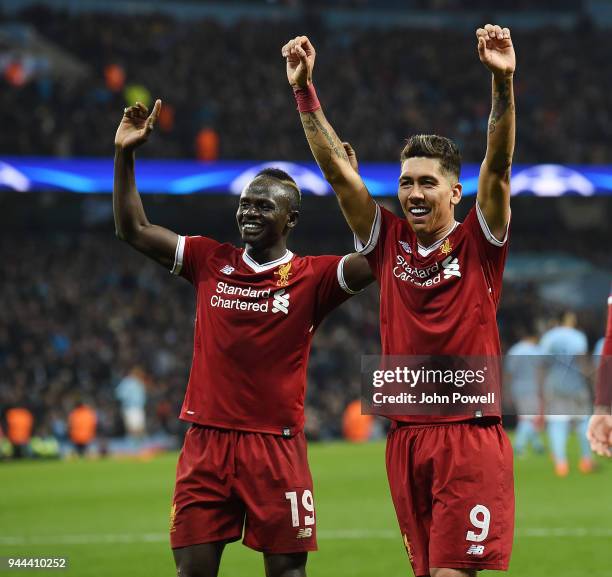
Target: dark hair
433,146
288,184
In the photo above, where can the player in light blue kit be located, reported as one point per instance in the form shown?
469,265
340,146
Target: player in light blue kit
523,367
566,391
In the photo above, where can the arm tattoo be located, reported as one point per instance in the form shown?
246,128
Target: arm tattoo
313,125
501,103
309,124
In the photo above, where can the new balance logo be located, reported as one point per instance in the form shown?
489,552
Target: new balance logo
405,246
475,550
227,269
280,304
304,533
450,267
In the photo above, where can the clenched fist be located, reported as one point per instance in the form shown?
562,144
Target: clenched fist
495,50
300,56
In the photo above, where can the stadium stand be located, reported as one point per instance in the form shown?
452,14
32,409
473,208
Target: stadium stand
249,109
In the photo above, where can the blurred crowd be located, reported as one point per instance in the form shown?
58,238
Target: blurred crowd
225,91
88,321
472,5
86,311
77,317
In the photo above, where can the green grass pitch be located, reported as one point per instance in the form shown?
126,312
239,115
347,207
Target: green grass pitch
111,517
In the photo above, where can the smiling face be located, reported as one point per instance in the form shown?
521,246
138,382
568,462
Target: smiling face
428,195
265,215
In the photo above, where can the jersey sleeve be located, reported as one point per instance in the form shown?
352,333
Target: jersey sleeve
492,252
332,289
380,235
603,390
191,256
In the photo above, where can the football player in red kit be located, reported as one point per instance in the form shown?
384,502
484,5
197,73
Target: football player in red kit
440,282
599,432
243,463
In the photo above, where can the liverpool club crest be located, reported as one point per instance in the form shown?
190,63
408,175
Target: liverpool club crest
283,273
446,247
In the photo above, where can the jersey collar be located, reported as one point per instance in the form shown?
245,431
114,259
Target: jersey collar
266,265
426,251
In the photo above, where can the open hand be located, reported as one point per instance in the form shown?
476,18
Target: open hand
136,125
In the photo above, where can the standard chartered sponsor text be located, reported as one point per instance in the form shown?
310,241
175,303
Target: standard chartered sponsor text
249,292
404,271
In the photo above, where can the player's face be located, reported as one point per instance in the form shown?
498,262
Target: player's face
264,215
428,195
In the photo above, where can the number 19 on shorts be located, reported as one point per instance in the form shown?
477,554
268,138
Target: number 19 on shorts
307,503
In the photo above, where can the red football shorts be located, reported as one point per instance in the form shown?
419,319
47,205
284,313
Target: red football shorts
453,490
227,480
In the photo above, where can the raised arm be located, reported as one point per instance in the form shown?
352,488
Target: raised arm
131,224
356,203
497,54
357,272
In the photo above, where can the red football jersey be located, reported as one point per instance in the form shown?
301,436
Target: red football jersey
440,300
253,329
603,392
